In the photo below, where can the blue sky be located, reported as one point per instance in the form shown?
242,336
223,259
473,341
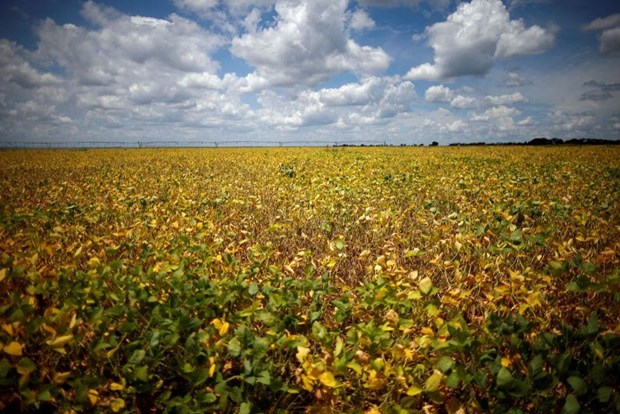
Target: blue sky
396,71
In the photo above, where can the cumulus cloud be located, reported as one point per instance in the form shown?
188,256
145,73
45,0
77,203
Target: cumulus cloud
434,4
476,34
123,70
438,94
197,6
15,69
128,46
308,43
370,101
528,121
508,99
610,41
513,79
609,38
496,112
463,102
599,91
572,122
603,23
360,20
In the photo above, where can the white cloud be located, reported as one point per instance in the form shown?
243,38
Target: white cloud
439,93
474,36
360,20
463,102
456,126
496,112
602,23
609,38
513,79
572,122
528,121
370,101
433,4
129,46
610,41
15,69
197,6
307,44
508,99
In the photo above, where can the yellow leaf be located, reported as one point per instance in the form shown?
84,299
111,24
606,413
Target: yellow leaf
8,328
61,377
115,386
373,410
533,299
221,326
302,352
426,285
427,331
2,274
506,362
433,382
414,390
14,348
73,321
327,379
308,383
117,405
111,352
60,341
339,345
94,262
93,397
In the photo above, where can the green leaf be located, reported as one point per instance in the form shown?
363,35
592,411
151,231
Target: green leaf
504,377
44,395
571,405
245,408
136,357
264,378
234,347
266,317
593,325
5,367
355,367
453,379
536,364
445,364
578,385
604,394
210,398
414,390
142,373
253,290
318,330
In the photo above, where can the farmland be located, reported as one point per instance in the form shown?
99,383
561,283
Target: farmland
379,280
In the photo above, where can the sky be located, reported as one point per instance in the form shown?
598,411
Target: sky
308,71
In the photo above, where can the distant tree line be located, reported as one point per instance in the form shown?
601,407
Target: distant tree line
535,141
547,141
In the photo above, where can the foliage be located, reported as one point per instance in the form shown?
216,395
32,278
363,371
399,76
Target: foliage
376,280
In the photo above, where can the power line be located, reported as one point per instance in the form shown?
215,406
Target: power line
177,144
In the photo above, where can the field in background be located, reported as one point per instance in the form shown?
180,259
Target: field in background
377,280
